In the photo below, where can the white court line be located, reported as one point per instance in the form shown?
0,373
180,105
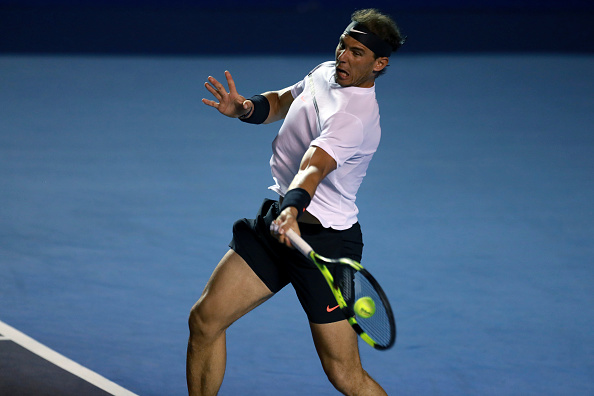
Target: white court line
10,333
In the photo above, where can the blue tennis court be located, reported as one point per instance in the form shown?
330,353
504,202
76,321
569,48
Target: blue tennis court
119,189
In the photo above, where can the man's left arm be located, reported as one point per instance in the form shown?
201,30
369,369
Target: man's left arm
316,164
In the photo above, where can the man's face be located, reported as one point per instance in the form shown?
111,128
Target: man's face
355,64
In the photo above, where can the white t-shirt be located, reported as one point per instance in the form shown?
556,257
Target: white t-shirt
346,126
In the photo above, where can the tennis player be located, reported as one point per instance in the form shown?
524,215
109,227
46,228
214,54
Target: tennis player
330,132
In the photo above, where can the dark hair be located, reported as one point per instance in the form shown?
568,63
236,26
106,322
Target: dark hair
381,25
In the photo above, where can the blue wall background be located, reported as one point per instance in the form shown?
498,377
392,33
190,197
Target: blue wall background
290,27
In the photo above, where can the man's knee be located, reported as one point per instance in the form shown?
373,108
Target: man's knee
203,325
344,377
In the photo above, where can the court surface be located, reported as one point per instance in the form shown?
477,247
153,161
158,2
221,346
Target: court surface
118,189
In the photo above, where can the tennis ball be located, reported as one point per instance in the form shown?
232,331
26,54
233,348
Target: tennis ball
365,307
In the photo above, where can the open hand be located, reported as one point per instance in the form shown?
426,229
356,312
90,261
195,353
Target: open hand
229,103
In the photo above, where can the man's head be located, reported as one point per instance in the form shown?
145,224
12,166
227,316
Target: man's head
365,47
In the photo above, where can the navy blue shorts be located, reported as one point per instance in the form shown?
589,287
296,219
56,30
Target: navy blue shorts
277,265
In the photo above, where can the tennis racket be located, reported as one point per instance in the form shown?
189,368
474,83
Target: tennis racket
358,294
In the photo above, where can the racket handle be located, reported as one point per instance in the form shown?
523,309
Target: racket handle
299,243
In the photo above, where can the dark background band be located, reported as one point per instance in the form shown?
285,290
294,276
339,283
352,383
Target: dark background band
193,27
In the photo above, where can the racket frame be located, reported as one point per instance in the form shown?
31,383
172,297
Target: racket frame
319,261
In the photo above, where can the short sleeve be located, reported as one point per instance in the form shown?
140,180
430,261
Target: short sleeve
341,137
297,88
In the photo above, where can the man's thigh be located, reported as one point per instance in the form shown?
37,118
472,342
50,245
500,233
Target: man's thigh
232,291
336,344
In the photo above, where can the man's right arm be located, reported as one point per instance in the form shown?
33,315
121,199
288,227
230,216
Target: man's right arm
234,105
280,101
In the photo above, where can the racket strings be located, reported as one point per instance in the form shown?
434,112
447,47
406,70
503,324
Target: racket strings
344,278
378,326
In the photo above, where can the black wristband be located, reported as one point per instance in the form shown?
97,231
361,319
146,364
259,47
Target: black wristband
297,198
260,110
